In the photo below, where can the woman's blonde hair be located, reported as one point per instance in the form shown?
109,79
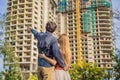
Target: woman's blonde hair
64,48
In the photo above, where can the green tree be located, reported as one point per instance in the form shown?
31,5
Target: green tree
2,22
109,74
116,67
32,77
10,58
11,61
0,76
75,72
87,72
116,56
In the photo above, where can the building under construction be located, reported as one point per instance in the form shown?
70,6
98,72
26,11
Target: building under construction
20,15
88,24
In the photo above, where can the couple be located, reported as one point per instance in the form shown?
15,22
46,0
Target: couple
51,56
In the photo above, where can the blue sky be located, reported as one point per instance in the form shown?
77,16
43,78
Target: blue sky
115,6
3,5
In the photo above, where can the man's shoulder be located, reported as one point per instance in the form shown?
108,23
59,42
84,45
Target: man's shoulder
51,37
42,34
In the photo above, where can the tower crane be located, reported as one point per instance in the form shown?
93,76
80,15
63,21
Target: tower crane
62,5
78,33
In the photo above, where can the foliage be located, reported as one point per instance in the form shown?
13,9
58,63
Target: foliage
32,77
12,71
116,57
87,72
12,74
2,20
109,74
0,76
75,72
11,62
116,67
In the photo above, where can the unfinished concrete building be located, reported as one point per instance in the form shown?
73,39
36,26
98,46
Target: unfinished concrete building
20,15
96,37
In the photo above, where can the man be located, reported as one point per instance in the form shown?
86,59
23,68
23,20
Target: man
48,45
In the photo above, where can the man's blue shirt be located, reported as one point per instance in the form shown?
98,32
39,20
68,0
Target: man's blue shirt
48,40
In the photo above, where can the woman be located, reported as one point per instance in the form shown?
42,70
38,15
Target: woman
60,73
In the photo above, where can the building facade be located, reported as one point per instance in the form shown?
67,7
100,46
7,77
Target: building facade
20,15
96,30
95,23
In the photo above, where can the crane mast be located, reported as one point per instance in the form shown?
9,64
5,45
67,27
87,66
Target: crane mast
78,32
62,8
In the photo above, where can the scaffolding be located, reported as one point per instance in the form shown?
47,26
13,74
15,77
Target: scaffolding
64,8
92,21
98,3
101,3
88,22
62,5
85,0
88,17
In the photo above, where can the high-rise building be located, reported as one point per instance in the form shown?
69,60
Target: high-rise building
20,15
61,17
96,30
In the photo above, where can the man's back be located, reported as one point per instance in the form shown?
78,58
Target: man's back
47,44
44,46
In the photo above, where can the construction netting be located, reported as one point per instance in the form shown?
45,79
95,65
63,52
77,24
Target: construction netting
96,3
88,22
89,16
62,6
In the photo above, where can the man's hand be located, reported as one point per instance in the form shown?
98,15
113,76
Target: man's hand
28,28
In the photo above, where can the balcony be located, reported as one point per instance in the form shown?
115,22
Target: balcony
105,28
28,10
28,1
106,49
21,6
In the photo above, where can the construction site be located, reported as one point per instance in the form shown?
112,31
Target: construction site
88,23
89,26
